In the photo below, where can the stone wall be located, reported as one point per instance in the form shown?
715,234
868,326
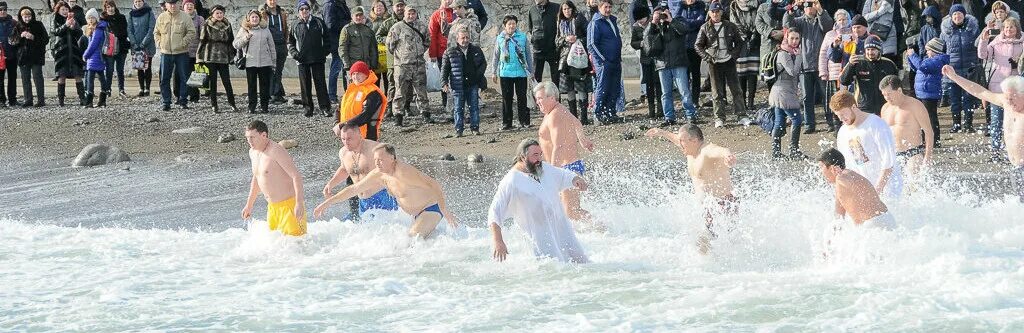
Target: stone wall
236,8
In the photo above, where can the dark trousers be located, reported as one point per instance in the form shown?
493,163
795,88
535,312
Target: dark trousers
259,77
811,86
748,83
30,75
276,88
12,82
170,65
180,82
516,86
651,79
225,76
932,106
723,75
831,88
90,82
115,64
335,71
312,76
695,62
145,75
538,67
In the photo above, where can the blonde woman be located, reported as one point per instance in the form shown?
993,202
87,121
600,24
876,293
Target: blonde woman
256,42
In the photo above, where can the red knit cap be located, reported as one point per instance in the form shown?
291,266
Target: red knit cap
359,67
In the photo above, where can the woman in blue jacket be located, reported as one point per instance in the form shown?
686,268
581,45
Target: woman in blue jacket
928,81
511,64
95,66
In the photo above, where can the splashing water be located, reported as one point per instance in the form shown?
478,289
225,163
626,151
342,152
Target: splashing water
955,264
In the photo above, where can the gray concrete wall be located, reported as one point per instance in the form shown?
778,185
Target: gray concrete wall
495,9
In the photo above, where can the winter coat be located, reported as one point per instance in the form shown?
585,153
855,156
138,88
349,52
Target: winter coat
999,52
117,24
825,65
384,28
543,26
469,22
7,24
785,93
478,8
666,42
928,81
257,42
462,70
769,18
358,43
336,15
867,75
744,14
604,41
959,40
512,56
193,47
67,56
215,40
439,31
578,25
708,36
141,25
812,34
881,16
30,52
929,31
277,24
636,41
174,32
94,52
693,17
307,41
407,42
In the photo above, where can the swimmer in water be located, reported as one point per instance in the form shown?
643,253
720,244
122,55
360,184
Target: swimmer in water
274,174
356,157
416,193
908,118
561,137
856,198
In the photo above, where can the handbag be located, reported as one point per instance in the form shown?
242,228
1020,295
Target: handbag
881,30
577,57
382,58
199,77
139,61
239,60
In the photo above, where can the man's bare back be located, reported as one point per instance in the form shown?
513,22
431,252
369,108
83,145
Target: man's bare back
561,135
857,198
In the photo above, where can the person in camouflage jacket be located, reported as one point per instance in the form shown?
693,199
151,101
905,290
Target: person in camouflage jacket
407,41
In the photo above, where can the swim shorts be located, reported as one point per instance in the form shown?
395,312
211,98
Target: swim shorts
381,200
883,221
281,217
576,167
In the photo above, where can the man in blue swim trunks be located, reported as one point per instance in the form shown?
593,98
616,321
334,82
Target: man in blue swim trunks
356,157
561,136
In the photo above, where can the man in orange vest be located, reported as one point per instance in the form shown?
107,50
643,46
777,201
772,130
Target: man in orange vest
364,103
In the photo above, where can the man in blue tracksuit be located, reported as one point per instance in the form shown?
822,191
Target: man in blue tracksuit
336,15
604,41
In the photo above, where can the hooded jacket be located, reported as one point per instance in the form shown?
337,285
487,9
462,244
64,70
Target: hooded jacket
93,53
959,40
999,52
258,44
30,52
867,75
141,25
929,31
215,38
67,55
708,36
117,24
174,32
928,81
785,93
277,23
307,41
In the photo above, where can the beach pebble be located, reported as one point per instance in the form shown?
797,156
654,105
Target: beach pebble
408,130
152,120
82,122
627,135
189,130
225,138
447,157
99,154
186,158
492,140
475,158
289,144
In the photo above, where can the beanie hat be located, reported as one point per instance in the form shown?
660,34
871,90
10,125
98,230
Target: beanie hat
301,4
188,2
935,45
873,42
360,67
92,13
957,8
859,20
641,12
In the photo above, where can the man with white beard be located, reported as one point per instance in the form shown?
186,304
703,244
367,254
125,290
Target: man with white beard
529,194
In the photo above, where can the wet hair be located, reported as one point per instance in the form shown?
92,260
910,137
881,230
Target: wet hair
692,131
1013,83
833,157
840,100
509,17
549,89
387,148
258,126
891,82
524,146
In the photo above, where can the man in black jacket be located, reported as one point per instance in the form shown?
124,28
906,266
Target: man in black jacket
543,21
336,15
462,75
665,40
867,71
307,40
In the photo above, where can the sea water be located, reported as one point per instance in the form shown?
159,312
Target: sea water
162,248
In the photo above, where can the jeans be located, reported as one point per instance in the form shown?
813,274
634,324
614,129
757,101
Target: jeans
780,119
811,86
538,67
470,95
259,77
90,85
225,75
312,76
932,106
995,127
115,64
677,77
960,102
332,77
170,65
30,74
514,86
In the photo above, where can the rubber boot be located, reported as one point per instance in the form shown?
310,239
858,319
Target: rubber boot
80,88
103,100
957,123
61,87
572,108
582,106
777,143
794,145
426,118
399,120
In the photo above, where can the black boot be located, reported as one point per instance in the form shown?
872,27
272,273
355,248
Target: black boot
80,88
88,100
794,146
398,120
582,106
103,100
427,119
968,122
572,108
777,134
61,87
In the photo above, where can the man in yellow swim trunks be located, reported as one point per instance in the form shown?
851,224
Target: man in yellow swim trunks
274,174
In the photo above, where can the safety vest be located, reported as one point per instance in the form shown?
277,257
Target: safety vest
352,102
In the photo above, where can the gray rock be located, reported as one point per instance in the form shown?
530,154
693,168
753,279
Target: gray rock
492,140
152,120
82,122
189,130
447,157
408,130
186,159
627,135
225,138
475,158
288,144
99,154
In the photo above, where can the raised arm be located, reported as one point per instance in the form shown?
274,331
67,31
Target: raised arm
972,88
660,133
371,180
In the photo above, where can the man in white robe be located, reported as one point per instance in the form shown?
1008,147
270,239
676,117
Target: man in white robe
529,195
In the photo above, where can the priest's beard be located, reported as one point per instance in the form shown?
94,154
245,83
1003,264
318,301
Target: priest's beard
535,169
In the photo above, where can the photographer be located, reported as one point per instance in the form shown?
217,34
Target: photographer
809,18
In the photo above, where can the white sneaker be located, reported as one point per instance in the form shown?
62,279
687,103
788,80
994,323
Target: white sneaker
745,121
719,123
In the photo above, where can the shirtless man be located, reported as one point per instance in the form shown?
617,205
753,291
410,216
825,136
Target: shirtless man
1012,100
855,196
908,118
356,162
416,193
274,174
561,136
867,143
709,166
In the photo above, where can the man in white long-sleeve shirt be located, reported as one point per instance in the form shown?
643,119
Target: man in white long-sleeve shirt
528,194
868,145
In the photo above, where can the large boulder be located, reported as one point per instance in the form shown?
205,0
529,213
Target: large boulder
99,154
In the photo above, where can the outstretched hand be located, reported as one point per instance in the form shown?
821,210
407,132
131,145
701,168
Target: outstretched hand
500,251
319,210
653,133
948,71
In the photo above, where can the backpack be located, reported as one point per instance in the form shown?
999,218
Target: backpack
110,47
769,72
